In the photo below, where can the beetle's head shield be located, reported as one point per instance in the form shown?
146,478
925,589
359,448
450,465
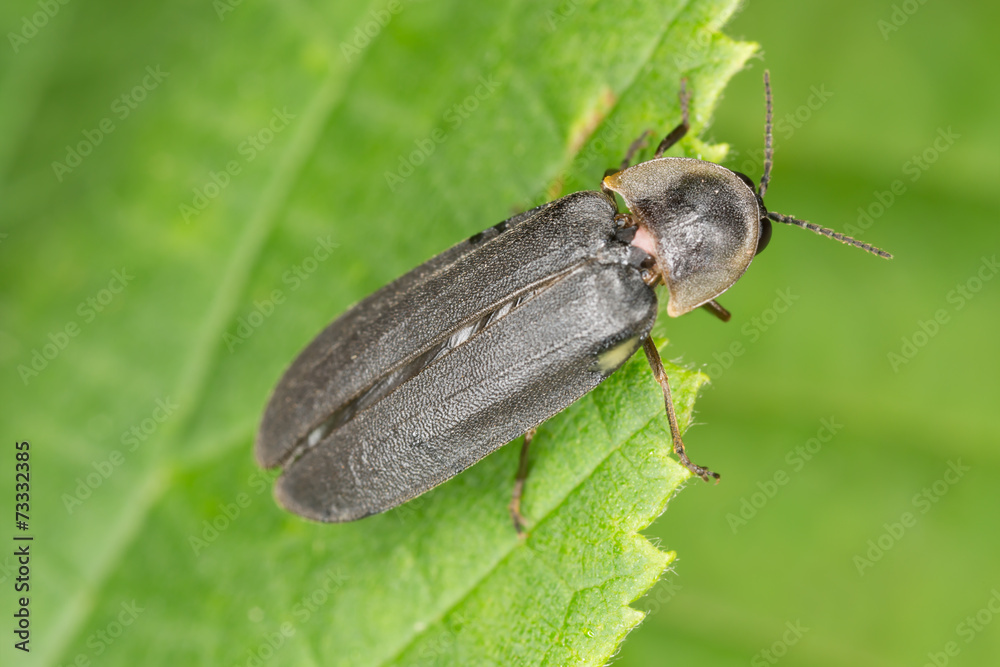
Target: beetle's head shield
704,220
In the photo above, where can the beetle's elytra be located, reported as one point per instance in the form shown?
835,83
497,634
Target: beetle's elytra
489,339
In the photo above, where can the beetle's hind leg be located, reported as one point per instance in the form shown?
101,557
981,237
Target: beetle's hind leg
661,376
522,475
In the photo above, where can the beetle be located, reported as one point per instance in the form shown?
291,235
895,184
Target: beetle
487,340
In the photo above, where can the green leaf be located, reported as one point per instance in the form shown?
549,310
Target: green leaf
190,192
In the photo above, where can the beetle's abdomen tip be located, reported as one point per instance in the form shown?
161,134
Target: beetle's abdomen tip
289,501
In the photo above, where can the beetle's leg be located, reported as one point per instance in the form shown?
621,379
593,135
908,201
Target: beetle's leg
522,474
633,148
716,309
661,376
678,132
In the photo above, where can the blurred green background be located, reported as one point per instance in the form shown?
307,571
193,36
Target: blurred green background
904,420
783,542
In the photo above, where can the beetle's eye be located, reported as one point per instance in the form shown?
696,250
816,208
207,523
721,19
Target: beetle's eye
765,235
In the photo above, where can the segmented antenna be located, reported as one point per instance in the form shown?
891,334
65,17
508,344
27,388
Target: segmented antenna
685,98
843,238
768,139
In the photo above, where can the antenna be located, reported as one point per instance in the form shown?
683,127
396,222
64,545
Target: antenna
766,178
768,139
843,238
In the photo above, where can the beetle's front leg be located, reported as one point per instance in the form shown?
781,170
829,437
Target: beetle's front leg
675,432
678,132
672,138
633,148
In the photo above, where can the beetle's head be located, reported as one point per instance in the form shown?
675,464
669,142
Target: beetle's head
702,223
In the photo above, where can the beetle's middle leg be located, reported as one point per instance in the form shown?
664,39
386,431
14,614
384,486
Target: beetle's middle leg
522,474
716,309
661,376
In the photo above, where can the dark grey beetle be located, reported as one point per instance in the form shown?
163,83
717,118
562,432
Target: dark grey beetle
487,340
